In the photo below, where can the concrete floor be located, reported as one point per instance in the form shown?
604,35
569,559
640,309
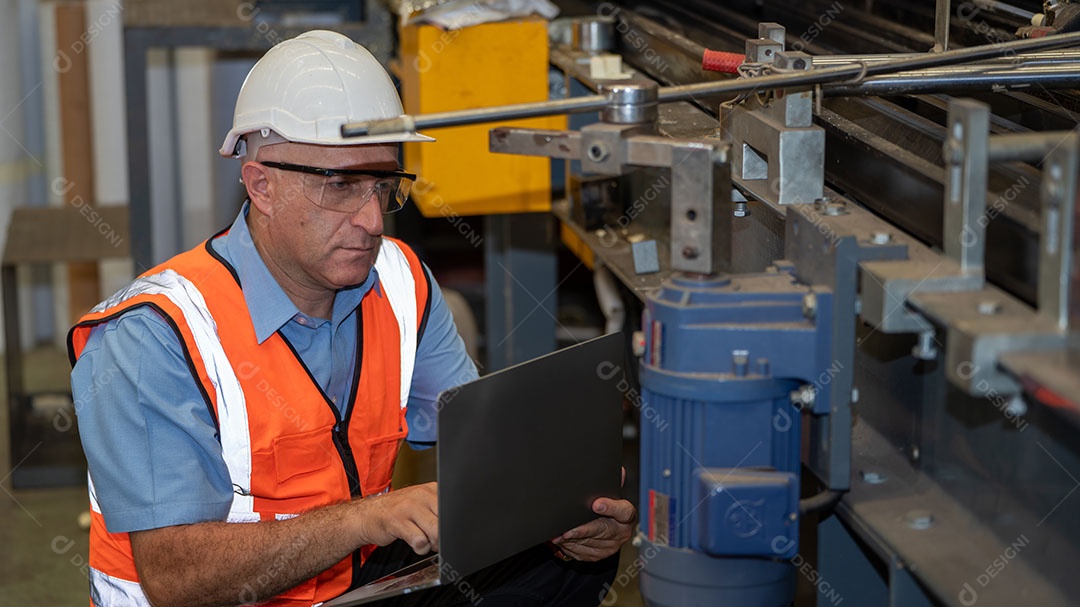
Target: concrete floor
44,562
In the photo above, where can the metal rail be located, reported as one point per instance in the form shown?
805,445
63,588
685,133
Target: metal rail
702,89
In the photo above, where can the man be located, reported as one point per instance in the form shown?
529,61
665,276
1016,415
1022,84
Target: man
241,405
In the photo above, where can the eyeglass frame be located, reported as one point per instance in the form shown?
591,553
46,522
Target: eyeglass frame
310,170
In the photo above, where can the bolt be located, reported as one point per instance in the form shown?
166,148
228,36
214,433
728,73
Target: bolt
835,209
667,473
740,361
854,395
831,206
763,366
880,237
597,152
690,252
915,453
1053,190
809,305
804,395
953,151
989,307
873,478
919,519
741,210
925,349
792,516
799,64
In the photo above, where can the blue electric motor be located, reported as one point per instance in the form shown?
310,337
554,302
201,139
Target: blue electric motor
720,436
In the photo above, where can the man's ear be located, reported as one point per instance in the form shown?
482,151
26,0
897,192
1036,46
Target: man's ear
257,181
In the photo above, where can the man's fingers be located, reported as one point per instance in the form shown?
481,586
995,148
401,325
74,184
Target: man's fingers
598,530
620,510
602,537
594,528
590,550
418,540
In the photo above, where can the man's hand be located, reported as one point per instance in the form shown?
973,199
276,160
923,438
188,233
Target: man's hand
217,564
410,514
603,537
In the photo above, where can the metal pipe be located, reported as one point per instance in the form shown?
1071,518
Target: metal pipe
1004,9
821,501
958,80
941,26
704,89
1023,147
1026,59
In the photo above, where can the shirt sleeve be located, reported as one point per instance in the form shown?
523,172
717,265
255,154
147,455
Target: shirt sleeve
151,443
441,363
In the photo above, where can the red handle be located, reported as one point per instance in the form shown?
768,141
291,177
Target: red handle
720,61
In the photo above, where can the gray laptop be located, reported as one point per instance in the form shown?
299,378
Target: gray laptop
522,454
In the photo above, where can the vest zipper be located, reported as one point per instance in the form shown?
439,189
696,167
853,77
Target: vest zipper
341,441
341,433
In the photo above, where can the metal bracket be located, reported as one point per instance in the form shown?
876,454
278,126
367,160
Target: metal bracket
778,154
700,179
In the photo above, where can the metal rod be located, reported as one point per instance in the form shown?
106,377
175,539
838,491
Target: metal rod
703,89
941,26
1005,9
958,80
1023,147
1026,59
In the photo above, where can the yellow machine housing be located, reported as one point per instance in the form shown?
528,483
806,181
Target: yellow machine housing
478,66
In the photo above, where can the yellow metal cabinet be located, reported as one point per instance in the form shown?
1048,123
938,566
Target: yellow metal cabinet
478,66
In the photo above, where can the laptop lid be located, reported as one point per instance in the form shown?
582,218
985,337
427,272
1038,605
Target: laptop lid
523,453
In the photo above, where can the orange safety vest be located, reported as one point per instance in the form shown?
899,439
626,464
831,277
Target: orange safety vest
276,426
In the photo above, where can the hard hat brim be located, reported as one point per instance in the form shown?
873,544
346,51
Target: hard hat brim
228,148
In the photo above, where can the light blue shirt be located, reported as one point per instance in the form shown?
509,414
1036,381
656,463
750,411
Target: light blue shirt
150,441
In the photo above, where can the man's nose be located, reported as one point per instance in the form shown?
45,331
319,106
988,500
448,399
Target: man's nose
369,217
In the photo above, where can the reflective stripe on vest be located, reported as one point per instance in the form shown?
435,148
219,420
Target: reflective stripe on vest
231,406
106,591
399,286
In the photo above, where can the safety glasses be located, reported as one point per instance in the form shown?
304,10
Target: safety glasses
348,190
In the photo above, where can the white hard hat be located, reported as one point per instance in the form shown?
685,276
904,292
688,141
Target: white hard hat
305,88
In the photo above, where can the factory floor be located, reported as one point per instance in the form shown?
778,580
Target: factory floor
44,560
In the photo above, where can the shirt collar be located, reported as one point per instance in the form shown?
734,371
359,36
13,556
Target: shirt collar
268,304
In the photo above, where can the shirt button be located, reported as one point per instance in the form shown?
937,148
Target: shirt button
300,319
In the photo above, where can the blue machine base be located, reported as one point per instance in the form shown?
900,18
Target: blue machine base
674,577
